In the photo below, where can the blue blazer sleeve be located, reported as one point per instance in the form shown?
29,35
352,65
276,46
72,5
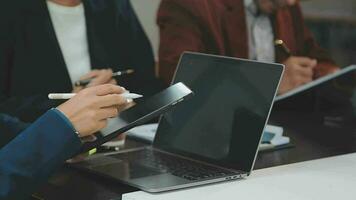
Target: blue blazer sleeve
29,159
10,127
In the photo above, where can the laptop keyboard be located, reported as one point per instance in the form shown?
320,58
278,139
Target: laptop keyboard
180,167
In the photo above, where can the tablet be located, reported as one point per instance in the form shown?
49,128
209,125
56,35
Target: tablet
142,113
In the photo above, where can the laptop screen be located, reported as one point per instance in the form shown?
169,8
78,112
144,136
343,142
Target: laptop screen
224,121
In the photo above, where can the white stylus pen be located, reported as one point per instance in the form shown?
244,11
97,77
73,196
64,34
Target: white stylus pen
71,95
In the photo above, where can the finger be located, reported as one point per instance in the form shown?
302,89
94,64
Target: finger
125,107
106,89
90,138
300,80
106,113
305,72
113,82
111,100
308,80
304,80
121,108
104,77
77,89
91,74
306,62
102,124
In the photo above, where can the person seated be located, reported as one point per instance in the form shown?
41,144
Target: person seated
29,157
263,30
48,45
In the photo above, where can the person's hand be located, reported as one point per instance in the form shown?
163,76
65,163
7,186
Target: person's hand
130,103
89,109
298,71
99,77
271,6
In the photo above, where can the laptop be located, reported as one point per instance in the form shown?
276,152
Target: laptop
213,137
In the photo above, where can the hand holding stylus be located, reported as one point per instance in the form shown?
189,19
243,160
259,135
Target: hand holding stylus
89,110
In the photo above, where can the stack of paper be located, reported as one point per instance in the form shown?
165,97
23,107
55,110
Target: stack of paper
316,83
272,138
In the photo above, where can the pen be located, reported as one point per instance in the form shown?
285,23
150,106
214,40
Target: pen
119,73
105,149
93,151
71,95
280,43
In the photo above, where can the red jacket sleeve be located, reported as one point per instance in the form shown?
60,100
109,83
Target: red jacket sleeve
179,32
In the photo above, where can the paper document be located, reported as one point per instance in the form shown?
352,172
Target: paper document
315,83
272,138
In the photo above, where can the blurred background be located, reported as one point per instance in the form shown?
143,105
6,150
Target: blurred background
333,23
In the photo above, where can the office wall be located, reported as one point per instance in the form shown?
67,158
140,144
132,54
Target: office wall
334,26
146,11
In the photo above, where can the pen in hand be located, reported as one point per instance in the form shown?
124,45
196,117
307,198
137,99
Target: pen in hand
280,43
87,81
63,96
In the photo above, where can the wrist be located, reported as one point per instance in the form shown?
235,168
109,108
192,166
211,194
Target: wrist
67,120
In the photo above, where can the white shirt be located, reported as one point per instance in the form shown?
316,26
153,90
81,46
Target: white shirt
260,34
70,28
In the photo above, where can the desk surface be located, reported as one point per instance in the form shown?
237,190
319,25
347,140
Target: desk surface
327,179
312,140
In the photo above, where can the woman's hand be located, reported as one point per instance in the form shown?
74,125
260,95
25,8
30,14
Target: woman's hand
99,77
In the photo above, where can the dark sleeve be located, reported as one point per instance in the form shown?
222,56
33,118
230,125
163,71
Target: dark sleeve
179,31
10,127
139,50
29,159
6,50
27,108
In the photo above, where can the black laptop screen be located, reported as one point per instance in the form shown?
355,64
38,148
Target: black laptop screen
224,121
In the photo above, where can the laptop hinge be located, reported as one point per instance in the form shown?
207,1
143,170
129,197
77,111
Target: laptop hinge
198,161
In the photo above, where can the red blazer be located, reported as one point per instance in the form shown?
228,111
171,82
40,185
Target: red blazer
219,27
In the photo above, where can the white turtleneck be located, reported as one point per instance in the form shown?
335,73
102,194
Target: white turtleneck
70,28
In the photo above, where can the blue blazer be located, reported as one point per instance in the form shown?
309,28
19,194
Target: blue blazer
32,64
29,157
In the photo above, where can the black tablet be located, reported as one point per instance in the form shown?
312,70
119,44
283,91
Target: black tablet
143,112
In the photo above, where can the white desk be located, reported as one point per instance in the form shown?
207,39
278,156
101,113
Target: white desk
325,179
